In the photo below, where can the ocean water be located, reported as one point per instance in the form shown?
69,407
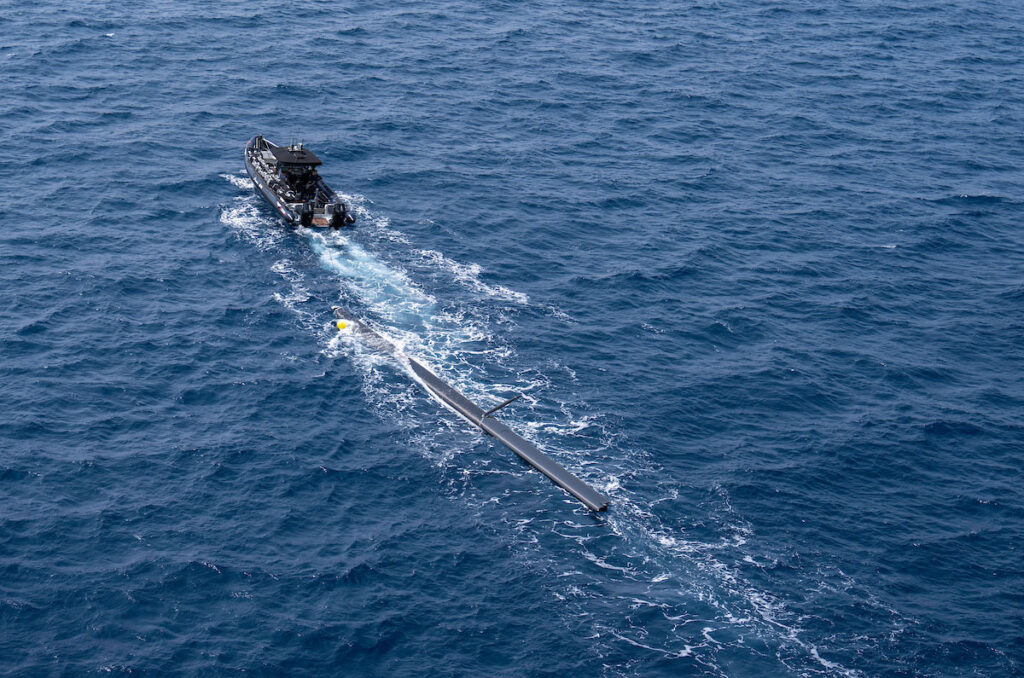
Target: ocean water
758,268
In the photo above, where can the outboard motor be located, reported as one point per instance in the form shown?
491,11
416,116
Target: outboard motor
340,216
306,215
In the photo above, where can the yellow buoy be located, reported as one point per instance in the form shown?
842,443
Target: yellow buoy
341,324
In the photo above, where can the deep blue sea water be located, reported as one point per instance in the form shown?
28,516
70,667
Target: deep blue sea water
758,266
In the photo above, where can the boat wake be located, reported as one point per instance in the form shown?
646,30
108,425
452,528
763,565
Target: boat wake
469,276
627,578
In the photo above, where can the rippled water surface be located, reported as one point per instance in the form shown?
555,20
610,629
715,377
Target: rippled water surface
758,268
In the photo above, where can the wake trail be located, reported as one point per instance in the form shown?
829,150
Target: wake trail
686,591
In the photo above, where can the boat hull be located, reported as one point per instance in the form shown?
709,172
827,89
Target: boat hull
279,205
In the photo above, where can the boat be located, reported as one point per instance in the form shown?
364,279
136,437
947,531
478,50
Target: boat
287,177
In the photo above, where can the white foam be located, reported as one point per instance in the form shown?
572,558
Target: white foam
244,218
297,294
238,181
469,276
685,652
380,224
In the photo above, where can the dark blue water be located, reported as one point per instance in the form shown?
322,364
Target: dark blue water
759,268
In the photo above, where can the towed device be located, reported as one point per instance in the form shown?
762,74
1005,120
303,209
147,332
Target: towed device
527,451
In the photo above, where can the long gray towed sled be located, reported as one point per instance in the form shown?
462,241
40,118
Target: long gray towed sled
526,450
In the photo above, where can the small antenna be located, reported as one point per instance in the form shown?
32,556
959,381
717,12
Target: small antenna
498,407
